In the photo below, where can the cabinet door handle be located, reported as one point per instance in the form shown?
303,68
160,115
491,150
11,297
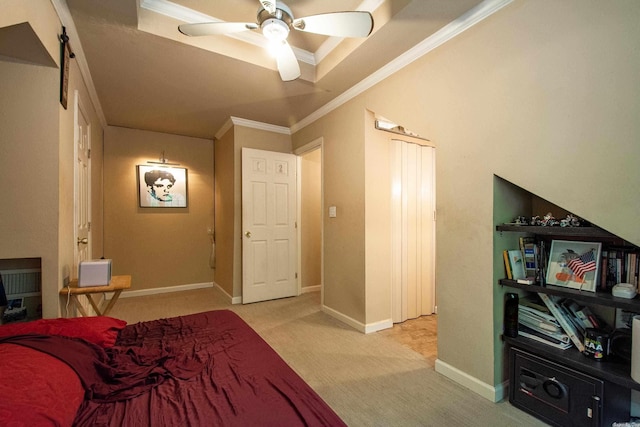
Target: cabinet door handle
594,411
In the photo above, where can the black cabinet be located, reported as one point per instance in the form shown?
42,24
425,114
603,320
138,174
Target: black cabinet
562,396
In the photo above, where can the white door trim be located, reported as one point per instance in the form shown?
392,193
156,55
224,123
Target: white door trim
310,146
78,109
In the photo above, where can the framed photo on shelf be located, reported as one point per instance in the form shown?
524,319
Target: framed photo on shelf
161,186
574,264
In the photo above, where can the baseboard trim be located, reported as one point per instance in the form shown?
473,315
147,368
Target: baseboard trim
307,289
343,318
378,326
494,394
167,289
359,326
232,300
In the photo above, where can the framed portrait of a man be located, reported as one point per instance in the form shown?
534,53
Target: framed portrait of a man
161,186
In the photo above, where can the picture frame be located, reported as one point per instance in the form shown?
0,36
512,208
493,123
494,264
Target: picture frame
574,264
162,186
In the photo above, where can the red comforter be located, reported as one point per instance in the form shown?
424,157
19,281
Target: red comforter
207,369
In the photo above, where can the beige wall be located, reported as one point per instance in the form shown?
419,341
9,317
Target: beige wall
377,222
343,187
310,219
225,211
36,154
29,163
158,247
41,35
541,93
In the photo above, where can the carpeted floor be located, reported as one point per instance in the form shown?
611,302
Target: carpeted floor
369,380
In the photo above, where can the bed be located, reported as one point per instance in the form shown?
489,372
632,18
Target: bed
208,369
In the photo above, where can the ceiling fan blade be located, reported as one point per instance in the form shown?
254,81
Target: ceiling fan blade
339,24
287,63
215,28
269,6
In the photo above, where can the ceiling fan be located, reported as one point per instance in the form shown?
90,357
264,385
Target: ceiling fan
275,19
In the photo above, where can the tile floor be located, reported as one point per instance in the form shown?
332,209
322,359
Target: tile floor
419,334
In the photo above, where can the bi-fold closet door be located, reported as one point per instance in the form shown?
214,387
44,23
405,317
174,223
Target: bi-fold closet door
413,230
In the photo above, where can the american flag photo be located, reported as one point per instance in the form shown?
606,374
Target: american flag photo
574,264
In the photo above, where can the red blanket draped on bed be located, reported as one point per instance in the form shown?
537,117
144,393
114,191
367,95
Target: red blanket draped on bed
207,369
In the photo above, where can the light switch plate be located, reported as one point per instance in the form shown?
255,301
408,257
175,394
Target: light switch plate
332,212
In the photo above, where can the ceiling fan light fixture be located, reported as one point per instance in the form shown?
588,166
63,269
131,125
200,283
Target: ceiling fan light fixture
275,30
275,19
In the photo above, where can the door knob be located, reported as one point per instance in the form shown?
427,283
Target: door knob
83,241
248,234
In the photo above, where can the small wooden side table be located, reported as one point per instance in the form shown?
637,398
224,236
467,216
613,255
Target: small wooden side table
116,285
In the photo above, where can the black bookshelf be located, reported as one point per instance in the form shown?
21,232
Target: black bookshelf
590,232
588,298
614,370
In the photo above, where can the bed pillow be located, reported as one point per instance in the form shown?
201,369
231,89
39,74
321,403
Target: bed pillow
36,389
99,330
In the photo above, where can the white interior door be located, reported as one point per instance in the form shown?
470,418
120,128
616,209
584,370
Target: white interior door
413,230
82,185
269,241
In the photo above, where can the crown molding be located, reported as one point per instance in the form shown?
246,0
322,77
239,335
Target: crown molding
225,127
237,121
446,33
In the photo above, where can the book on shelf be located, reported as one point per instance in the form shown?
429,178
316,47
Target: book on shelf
537,323
507,264
619,265
582,314
533,302
541,259
632,268
534,335
516,263
538,319
575,322
593,319
604,269
559,336
529,254
551,301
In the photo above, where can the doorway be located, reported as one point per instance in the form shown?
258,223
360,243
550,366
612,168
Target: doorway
413,230
269,244
310,210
